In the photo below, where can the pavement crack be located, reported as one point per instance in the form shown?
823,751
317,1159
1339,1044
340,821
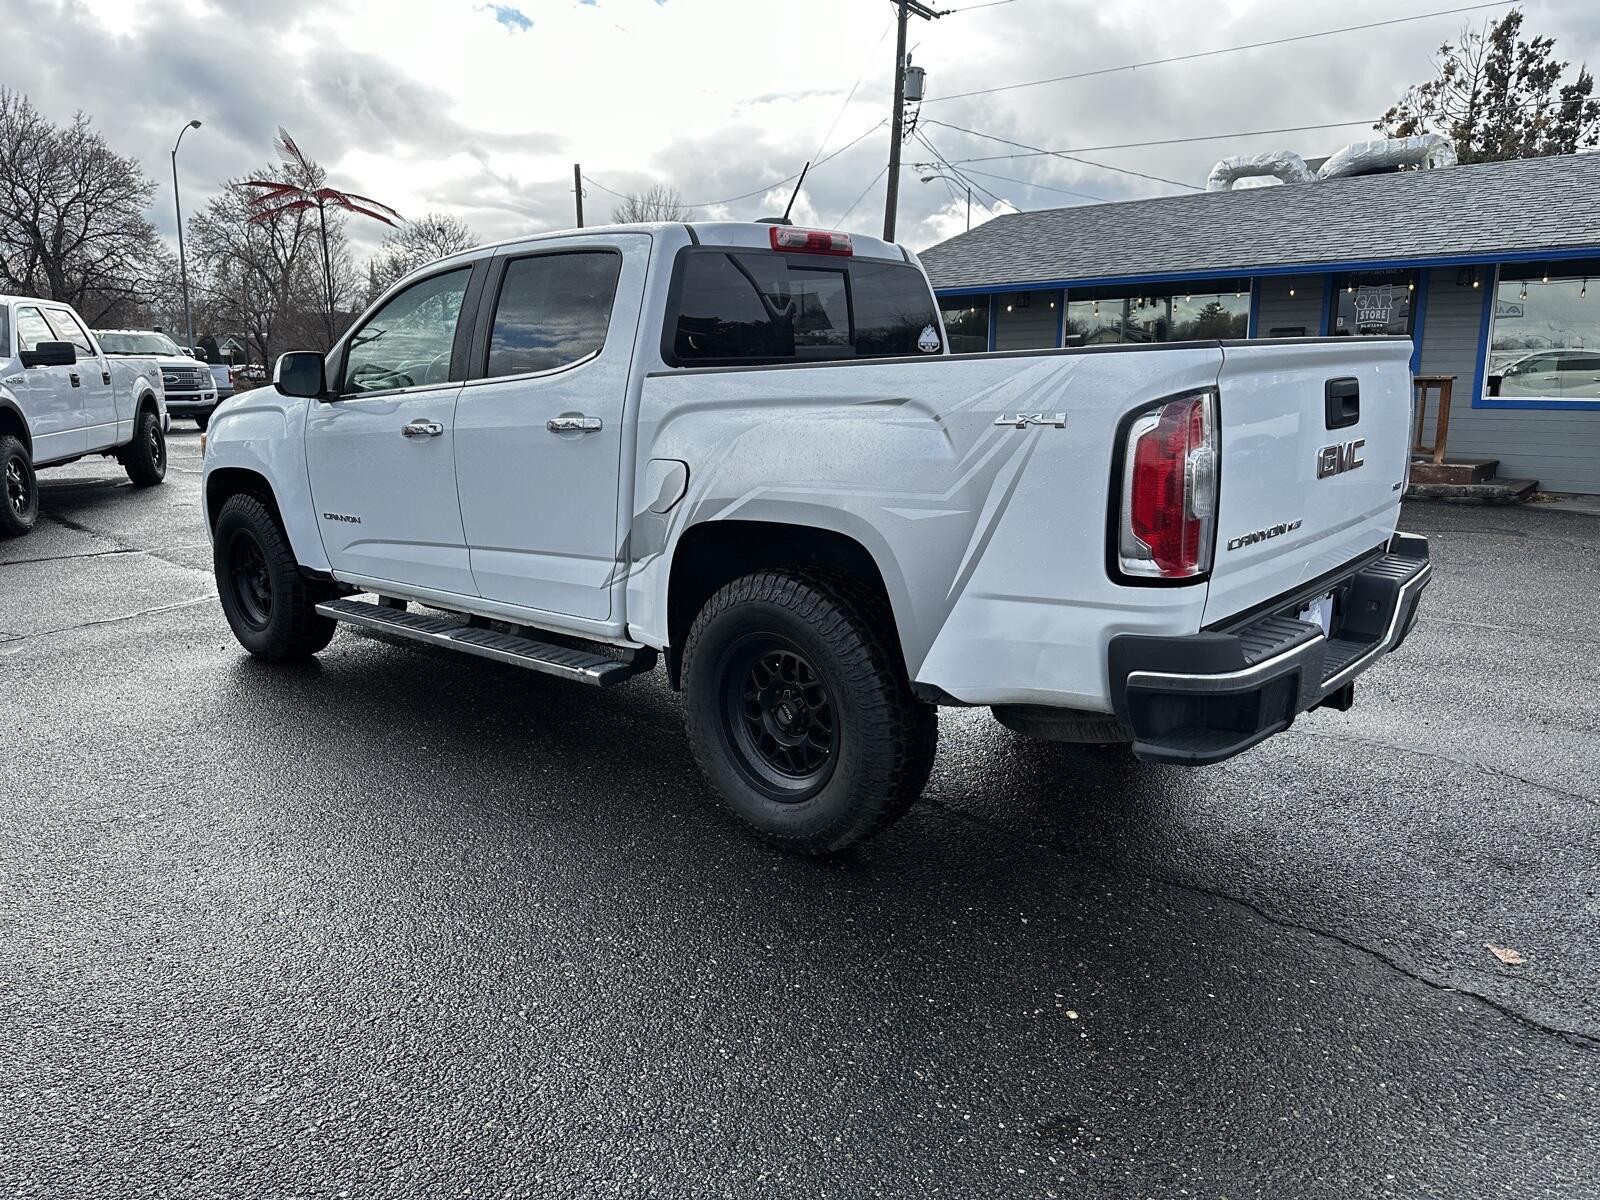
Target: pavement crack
1459,759
143,612
1572,1037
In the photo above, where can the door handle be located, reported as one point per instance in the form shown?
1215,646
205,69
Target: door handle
574,424
76,382
417,429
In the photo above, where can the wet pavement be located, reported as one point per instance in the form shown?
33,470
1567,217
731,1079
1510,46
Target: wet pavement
402,923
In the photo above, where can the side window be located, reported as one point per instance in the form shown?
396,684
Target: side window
894,310
67,329
733,307
407,342
32,329
721,313
553,311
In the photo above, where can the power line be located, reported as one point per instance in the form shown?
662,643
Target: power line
961,164
1157,62
974,7
1209,137
758,191
820,145
881,173
1071,157
968,180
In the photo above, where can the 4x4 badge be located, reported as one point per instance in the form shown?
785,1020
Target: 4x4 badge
1044,420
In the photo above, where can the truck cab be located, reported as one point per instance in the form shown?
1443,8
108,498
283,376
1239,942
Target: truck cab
744,450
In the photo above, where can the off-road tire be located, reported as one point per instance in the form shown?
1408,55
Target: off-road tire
201,421
885,737
19,489
253,562
145,458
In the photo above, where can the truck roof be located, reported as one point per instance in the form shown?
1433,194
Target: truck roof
751,234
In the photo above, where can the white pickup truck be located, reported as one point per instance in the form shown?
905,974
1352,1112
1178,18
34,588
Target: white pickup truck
62,397
742,448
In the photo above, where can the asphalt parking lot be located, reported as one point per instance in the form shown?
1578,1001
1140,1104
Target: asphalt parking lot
397,923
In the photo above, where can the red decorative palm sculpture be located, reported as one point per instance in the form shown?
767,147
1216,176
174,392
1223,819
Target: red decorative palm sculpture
277,197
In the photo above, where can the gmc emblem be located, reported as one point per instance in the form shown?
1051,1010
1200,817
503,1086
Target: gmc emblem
1336,460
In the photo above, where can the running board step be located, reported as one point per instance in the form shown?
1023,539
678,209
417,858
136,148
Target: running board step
583,666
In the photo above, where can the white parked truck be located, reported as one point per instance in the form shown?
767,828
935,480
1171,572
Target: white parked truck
62,397
743,450
189,383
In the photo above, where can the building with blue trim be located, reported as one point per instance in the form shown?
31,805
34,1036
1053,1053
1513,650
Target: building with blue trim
1486,267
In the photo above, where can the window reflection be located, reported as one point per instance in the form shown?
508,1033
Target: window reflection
966,328
1544,343
1200,315
1374,304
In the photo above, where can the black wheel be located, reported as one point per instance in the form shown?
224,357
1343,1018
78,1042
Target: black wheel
19,488
145,458
270,606
800,713
202,420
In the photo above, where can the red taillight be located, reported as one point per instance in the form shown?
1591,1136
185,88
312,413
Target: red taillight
1169,490
810,241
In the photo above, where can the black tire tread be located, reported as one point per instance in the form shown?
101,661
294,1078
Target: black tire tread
900,731
136,459
11,525
303,631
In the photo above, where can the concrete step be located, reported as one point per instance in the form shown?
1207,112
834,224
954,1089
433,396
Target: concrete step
1455,470
1493,491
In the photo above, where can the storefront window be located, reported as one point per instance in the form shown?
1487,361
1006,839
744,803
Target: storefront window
966,329
1374,304
1200,315
1544,343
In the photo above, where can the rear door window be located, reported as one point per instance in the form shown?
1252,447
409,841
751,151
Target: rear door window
68,330
732,307
553,311
32,329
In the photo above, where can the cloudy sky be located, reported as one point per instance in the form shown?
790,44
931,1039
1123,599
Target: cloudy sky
481,109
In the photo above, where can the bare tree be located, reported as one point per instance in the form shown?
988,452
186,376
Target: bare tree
1499,96
262,280
300,185
659,203
429,238
72,223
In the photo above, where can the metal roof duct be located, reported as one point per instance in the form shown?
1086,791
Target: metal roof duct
1283,165
1426,151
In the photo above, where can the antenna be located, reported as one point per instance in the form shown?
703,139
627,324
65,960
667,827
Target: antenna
798,185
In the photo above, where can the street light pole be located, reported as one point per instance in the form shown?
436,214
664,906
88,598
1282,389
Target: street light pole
965,184
183,266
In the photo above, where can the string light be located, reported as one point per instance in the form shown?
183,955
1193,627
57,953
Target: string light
1546,278
1583,292
1291,291
1524,295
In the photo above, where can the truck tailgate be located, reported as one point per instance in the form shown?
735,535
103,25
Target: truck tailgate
1315,442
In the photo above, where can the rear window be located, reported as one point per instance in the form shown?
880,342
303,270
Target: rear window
736,306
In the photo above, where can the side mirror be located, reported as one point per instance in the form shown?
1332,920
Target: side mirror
50,354
299,373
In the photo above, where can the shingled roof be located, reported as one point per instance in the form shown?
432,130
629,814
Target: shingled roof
1489,208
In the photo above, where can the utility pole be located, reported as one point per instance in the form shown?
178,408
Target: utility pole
905,9
577,190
